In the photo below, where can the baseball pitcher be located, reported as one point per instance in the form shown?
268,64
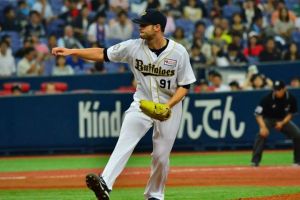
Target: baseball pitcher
163,73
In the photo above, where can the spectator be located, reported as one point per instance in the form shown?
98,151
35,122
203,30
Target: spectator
81,23
76,63
237,41
268,8
259,81
216,21
98,30
220,38
50,60
194,12
230,9
175,7
68,40
284,25
254,48
52,41
170,26
119,5
29,65
295,82
235,57
40,47
121,28
61,69
226,27
270,52
237,25
275,14
16,90
179,37
7,39
35,26
250,12
27,42
22,13
10,22
218,57
258,27
44,8
69,11
217,83
199,32
292,53
276,110
197,59
7,61
153,4
203,87
99,6
234,86
216,10
51,89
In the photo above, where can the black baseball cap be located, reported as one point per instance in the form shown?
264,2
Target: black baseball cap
278,85
152,17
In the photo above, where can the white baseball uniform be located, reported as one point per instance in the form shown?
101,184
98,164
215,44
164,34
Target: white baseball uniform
157,78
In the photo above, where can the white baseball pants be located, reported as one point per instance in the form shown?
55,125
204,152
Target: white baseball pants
134,127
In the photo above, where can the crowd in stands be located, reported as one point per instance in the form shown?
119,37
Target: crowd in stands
217,33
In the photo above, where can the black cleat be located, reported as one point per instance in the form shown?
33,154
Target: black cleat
254,164
152,198
98,186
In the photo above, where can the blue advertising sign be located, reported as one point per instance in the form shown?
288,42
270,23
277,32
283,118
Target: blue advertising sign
88,122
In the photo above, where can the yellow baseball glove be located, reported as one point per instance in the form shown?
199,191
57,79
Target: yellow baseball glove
154,110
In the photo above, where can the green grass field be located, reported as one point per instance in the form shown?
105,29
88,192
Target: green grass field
172,193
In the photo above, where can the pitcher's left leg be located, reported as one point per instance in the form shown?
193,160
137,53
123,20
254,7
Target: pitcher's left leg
164,135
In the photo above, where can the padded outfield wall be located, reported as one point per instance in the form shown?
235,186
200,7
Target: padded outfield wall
91,122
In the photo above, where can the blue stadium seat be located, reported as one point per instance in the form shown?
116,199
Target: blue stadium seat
111,42
291,3
229,10
16,42
112,67
56,6
187,25
56,27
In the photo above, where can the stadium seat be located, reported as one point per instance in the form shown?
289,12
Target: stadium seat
187,25
56,6
4,92
59,86
25,87
16,42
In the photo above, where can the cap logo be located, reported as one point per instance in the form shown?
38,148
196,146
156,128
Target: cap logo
143,13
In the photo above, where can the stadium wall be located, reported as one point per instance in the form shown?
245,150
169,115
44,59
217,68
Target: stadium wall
91,122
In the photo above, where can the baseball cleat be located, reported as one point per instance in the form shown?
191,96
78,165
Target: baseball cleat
152,198
98,186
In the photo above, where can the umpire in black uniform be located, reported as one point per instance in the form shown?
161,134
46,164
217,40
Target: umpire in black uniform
276,111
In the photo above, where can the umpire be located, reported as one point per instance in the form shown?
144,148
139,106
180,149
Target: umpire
276,111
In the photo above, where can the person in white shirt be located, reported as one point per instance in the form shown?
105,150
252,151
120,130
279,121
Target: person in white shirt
68,40
29,65
43,7
98,30
61,69
7,61
121,28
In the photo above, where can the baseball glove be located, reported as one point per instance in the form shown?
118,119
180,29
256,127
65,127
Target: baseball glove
154,110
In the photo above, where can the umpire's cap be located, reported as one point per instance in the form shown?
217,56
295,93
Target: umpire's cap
278,85
152,17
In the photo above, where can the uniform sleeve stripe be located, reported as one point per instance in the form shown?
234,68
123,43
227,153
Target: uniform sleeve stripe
106,59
